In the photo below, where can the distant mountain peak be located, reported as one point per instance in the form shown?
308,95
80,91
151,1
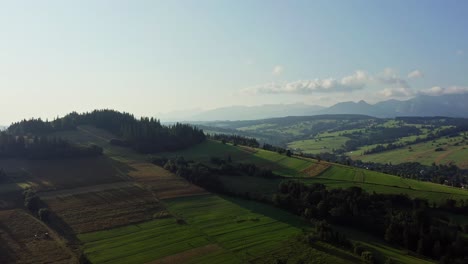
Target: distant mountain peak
421,105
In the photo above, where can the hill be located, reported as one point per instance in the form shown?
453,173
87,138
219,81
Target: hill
123,207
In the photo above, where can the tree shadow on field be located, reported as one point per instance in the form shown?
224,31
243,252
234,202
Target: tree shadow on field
269,211
62,228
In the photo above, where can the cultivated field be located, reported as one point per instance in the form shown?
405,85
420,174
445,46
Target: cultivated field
87,210
141,243
164,183
318,145
316,169
24,239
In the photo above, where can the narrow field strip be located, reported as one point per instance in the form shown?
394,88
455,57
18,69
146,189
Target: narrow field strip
141,243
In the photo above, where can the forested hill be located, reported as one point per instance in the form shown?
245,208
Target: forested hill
145,135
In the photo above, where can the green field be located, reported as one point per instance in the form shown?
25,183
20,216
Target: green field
141,243
343,177
236,229
455,150
318,145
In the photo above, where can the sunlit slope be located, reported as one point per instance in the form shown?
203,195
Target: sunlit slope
454,150
279,163
336,176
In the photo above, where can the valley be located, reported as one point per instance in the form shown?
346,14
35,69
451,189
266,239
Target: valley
121,207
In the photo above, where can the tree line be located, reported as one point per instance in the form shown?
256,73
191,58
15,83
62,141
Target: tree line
42,147
235,140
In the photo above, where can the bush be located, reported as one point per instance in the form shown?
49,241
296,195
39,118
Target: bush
43,214
367,257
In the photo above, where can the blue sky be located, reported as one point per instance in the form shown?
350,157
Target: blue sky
149,57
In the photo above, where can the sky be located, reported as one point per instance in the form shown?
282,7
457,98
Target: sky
149,57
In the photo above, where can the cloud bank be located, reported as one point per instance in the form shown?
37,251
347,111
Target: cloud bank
437,90
356,81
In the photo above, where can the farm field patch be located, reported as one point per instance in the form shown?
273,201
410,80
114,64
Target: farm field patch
316,169
24,239
164,183
97,210
454,150
246,228
318,145
141,243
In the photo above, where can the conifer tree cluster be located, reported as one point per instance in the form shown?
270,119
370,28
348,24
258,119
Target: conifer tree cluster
146,135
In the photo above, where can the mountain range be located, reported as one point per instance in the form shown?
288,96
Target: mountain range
453,105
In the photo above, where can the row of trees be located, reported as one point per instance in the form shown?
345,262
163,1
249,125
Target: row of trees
235,140
405,222
207,176
42,147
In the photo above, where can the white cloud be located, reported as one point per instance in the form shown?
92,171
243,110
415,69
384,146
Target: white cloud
390,77
396,92
278,69
415,74
460,52
437,90
356,81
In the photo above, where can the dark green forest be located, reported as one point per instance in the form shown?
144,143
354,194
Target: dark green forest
145,135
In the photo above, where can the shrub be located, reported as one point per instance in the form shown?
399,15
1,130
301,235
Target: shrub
367,257
43,214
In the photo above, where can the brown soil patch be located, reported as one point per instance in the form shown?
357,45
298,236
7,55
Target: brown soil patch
23,239
164,183
83,211
248,149
316,169
188,255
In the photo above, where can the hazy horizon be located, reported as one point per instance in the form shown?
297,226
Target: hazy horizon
149,57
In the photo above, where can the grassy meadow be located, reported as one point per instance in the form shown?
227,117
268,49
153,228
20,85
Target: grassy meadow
455,150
